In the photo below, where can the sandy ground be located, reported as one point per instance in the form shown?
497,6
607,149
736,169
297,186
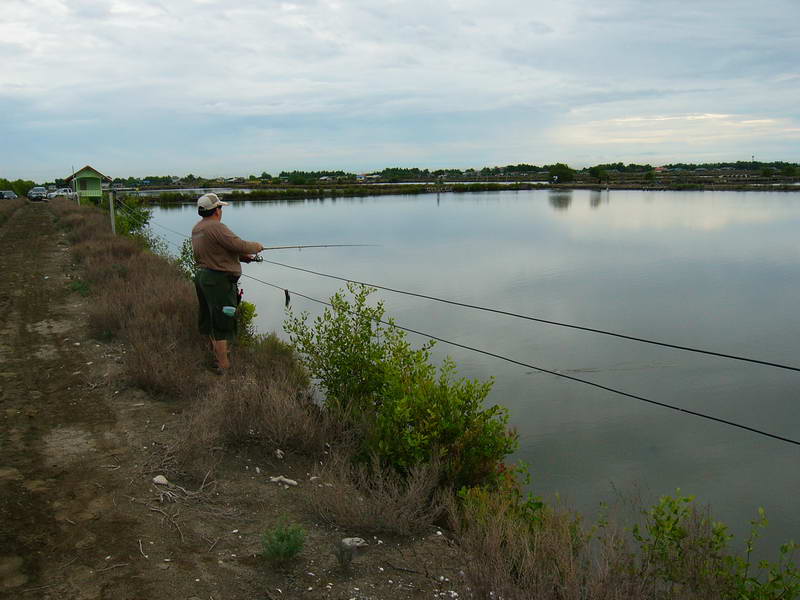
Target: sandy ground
80,516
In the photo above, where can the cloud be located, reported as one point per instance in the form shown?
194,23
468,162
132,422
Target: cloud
691,129
564,74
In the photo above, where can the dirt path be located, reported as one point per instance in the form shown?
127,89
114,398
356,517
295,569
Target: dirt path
79,515
62,446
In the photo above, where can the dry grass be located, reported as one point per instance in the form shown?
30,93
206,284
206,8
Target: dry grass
376,499
7,207
145,300
111,248
247,407
142,298
514,559
557,557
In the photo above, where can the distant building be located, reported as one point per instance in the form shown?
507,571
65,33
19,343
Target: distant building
88,183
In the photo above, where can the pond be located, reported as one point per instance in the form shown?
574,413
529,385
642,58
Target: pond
714,270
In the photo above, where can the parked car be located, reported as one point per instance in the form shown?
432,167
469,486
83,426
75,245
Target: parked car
8,194
37,193
65,192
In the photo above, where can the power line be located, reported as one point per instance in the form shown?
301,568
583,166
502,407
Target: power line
140,218
541,320
548,371
556,373
531,318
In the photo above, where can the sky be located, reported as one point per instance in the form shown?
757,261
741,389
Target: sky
237,87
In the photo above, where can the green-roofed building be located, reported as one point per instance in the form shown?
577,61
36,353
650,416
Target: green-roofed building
88,183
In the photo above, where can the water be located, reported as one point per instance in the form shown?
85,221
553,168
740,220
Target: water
716,270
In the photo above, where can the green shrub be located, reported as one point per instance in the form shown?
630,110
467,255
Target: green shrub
79,286
283,542
185,259
684,551
246,329
408,410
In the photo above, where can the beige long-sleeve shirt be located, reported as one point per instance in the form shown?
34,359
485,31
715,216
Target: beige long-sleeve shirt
217,247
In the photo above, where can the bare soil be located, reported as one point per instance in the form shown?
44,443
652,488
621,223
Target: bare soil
80,516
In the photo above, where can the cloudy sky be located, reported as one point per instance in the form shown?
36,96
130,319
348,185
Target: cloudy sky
234,87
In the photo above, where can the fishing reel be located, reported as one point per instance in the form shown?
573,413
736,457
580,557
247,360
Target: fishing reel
253,258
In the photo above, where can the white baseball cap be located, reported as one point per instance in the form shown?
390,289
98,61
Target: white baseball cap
209,201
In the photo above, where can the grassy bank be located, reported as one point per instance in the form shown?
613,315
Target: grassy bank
7,208
403,444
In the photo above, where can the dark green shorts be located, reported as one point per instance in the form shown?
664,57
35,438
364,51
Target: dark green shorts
216,290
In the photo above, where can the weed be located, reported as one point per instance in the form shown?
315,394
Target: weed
377,499
79,286
283,542
248,407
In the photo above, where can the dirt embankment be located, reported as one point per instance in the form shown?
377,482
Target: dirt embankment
80,516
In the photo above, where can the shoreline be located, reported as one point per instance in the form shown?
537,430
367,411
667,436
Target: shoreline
366,190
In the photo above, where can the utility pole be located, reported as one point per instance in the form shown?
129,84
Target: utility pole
75,187
111,202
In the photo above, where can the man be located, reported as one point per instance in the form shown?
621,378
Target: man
217,254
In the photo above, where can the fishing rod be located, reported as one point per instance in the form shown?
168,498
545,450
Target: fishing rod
258,258
319,246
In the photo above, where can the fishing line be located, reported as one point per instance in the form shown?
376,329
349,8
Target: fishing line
541,320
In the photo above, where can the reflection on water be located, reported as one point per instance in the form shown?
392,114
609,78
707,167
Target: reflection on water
717,270
560,199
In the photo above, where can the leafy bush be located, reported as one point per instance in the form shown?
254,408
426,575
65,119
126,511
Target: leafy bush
131,217
283,542
519,550
185,259
246,329
685,551
407,412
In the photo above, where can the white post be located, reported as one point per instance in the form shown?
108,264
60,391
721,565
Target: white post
111,199
74,183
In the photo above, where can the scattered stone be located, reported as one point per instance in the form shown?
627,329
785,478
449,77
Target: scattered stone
282,479
160,480
347,549
279,453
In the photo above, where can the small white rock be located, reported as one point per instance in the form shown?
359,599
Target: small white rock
282,479
160,480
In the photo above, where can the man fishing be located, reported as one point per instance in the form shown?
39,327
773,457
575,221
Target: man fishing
218,253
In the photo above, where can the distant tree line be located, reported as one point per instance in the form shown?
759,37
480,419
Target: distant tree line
557,172
307,177
741,165
19,186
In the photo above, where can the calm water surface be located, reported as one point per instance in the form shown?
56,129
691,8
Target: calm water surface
719,271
